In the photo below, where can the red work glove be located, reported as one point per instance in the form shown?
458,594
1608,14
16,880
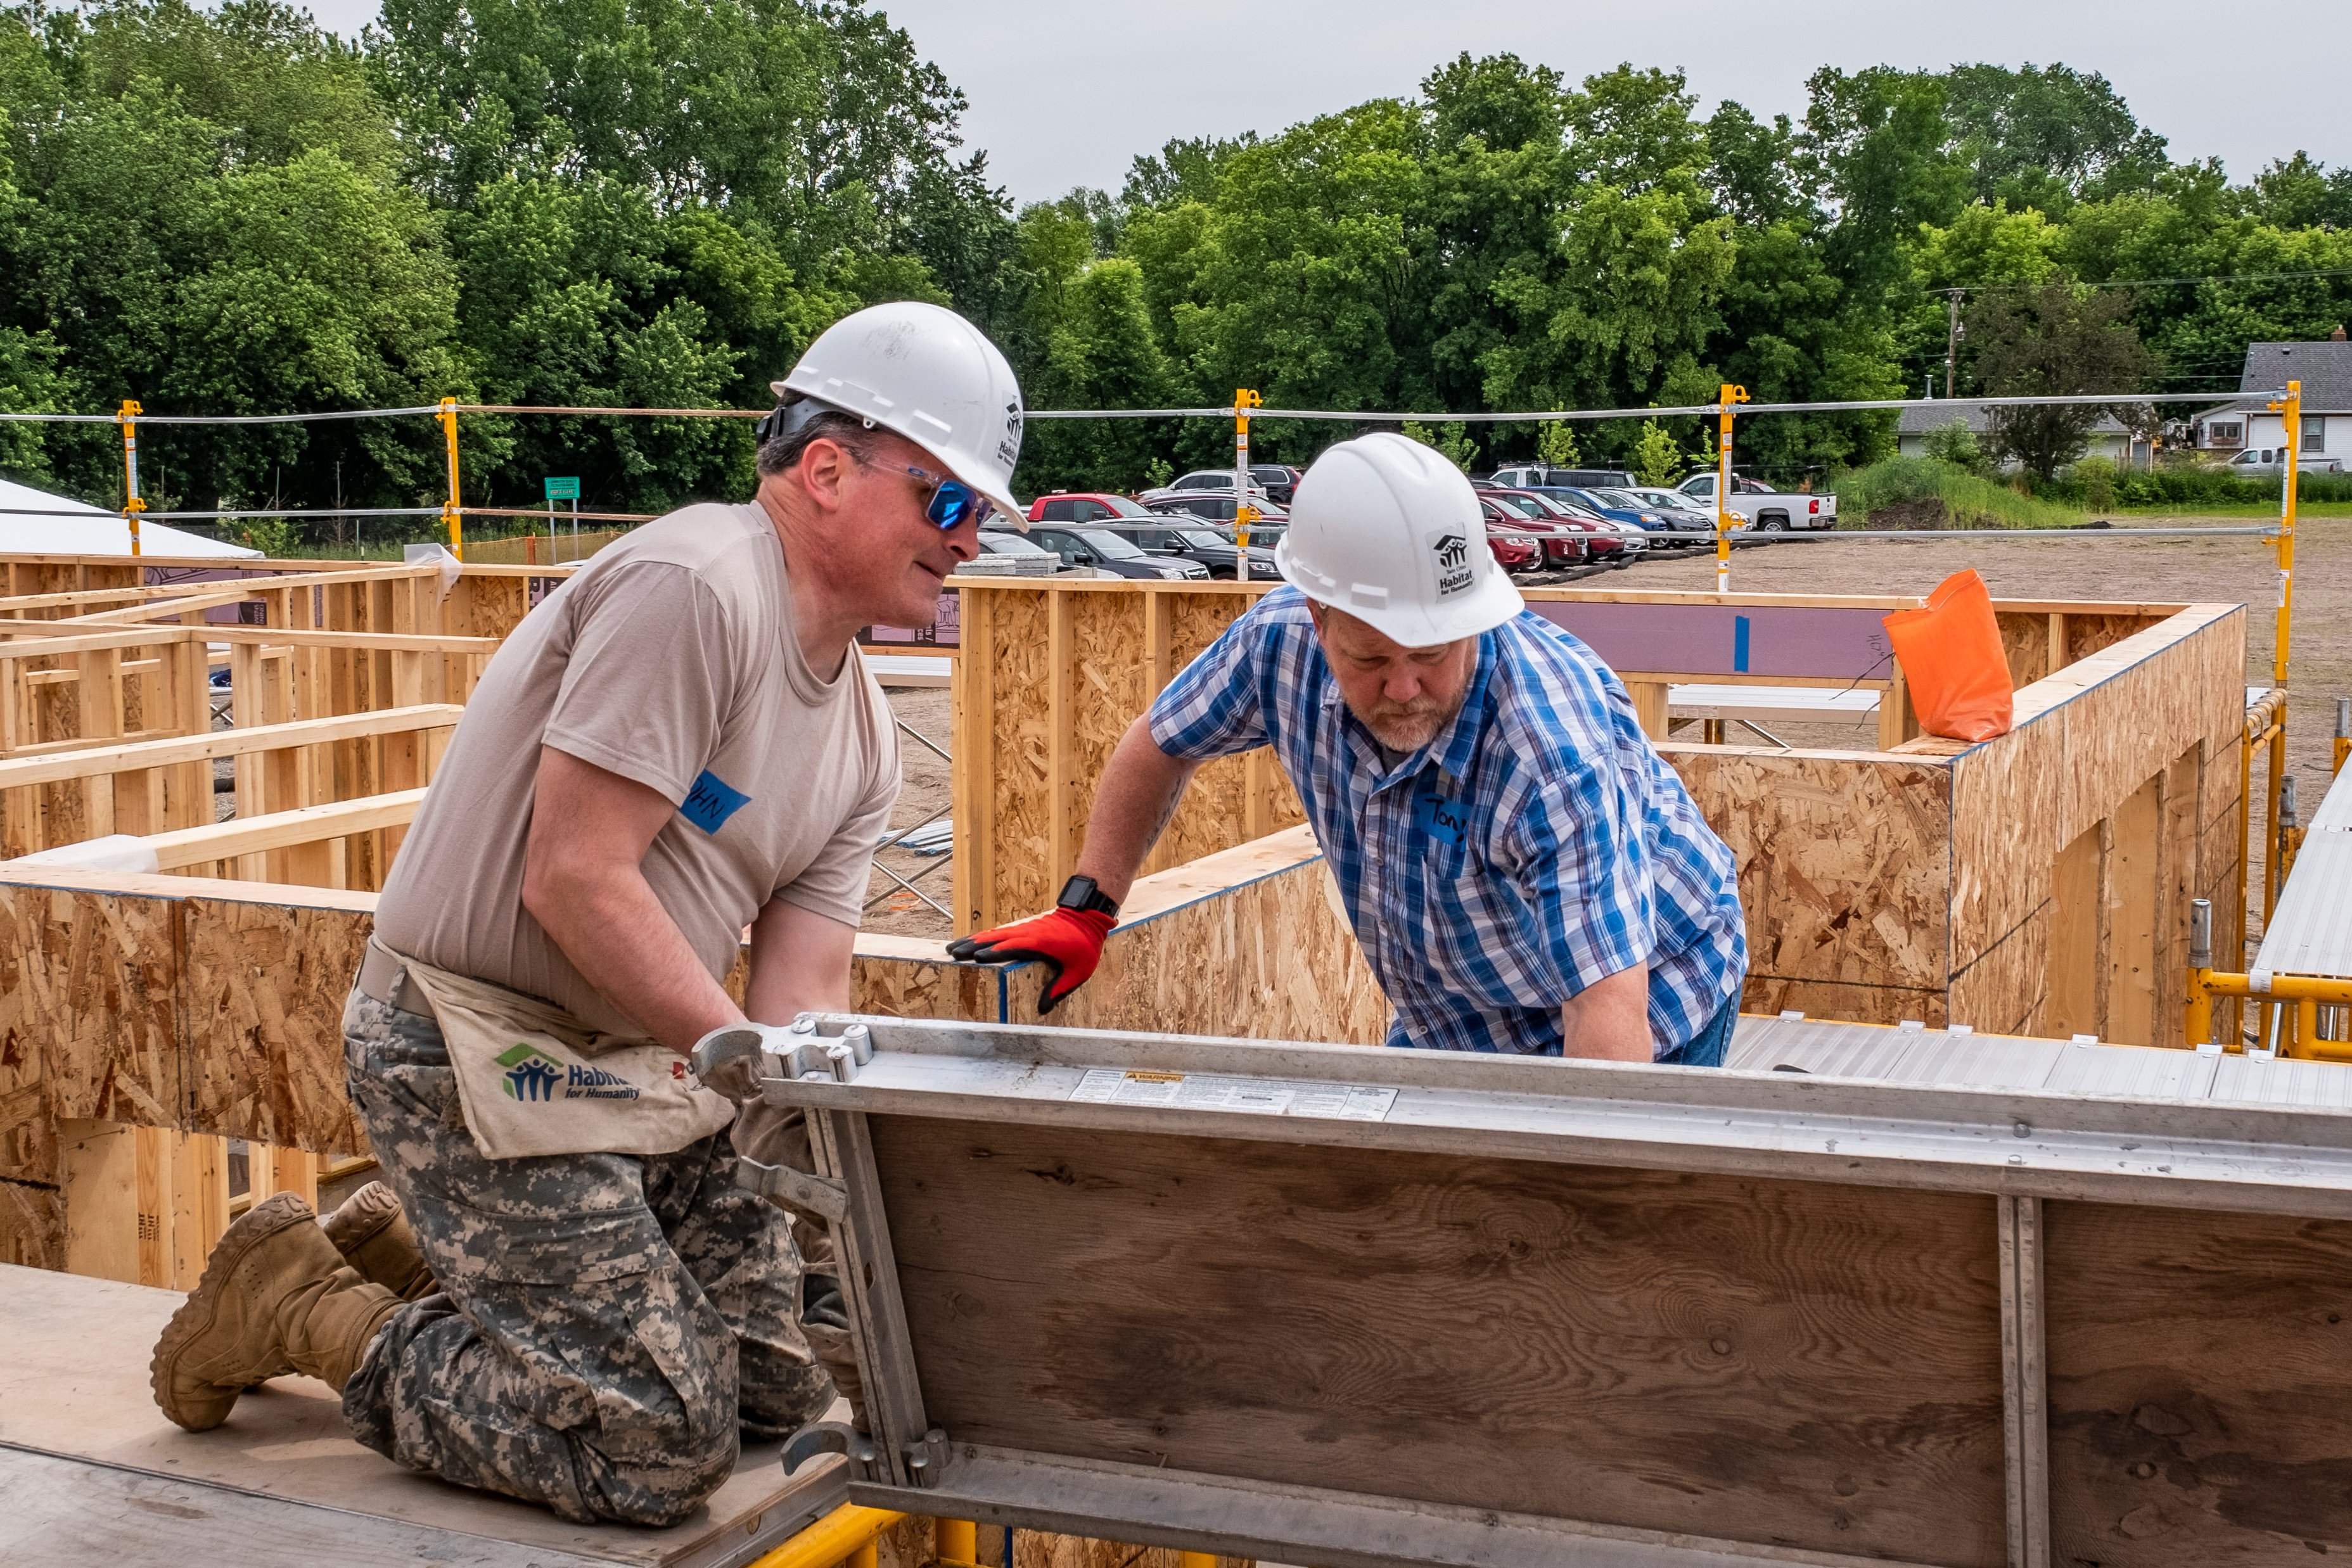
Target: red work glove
1068,942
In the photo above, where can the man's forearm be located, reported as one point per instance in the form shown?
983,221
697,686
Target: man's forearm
1609,1021
1136,797
607,920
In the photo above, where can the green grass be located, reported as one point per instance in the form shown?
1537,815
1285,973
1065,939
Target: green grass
1913,485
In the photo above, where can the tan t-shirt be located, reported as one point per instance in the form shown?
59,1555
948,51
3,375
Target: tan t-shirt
668,659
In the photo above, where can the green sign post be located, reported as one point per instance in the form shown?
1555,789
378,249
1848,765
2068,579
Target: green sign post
565,490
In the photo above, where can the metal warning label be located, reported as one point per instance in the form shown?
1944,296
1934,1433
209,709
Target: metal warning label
1255,1096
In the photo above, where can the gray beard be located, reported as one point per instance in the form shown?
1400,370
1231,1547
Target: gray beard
1405,734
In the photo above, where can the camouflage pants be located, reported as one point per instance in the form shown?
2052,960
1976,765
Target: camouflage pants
606,1322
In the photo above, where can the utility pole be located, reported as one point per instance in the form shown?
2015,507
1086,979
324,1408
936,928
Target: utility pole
1952,342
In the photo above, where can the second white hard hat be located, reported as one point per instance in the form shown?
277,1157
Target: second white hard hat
1388,530
928,374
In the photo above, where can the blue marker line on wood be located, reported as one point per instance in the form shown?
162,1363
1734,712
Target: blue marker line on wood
1739,644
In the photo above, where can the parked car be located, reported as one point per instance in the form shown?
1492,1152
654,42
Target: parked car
2256,462
1506,538
1011,556
1279,482
1634,520
1769,510
1086,506
1681,521
1206,546
1536,476
1563,546
1115,553
1212,507
1593,536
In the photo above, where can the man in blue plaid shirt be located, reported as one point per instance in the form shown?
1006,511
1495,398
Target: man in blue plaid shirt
1524,870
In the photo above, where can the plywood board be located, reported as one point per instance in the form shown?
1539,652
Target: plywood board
2131,893
1272,959
87,983
2004,831
2002,991
1843,860
2197,1384
265,987
1806,1367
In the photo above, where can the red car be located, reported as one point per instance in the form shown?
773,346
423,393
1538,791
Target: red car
1511,553
1593,536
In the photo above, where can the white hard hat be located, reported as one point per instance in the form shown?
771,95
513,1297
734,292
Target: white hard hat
929,375
1388,530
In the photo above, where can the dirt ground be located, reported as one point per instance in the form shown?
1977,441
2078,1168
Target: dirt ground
2234,570
891,908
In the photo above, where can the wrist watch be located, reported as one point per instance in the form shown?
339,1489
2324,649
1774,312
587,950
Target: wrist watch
1080,892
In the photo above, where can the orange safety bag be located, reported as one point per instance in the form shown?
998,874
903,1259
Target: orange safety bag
1952,660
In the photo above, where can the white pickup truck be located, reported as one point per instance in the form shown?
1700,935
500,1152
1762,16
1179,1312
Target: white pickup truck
1763,508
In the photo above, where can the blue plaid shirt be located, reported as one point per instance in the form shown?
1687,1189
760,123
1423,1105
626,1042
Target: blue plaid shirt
1538,846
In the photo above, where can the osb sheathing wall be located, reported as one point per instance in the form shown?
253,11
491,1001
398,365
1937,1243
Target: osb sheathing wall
216,1006
1918,882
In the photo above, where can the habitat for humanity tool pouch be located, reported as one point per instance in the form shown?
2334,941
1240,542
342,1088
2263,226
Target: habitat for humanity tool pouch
533,1080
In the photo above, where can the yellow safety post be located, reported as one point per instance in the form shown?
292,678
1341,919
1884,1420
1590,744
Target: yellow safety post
1723,514
131,504
450,513
2289,409
844,1535
957,1541
1196,1560
1244,513
2343,733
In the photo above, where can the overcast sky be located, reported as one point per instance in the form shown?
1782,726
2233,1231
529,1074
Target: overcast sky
1063,93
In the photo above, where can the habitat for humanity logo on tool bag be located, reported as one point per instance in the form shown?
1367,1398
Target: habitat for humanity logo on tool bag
533,1074
1453,551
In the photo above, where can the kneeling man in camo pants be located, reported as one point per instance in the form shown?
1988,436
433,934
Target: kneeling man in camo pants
558,1292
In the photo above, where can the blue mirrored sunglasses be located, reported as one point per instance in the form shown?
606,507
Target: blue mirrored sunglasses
953,501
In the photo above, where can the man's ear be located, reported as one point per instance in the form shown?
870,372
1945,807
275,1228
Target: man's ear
823,466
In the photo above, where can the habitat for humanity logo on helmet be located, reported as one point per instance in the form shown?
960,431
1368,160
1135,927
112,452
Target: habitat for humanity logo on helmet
533,1075
1453,552
1008,450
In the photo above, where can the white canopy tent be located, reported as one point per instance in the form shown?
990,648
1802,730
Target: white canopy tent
34,522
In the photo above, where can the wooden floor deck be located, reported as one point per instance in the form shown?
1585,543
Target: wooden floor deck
91,1472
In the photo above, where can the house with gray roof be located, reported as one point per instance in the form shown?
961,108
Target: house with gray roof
2109,438
2324,368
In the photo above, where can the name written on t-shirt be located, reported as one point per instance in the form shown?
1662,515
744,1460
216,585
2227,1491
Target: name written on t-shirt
711,801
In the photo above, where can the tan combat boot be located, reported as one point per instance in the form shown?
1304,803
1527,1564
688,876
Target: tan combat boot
374,1238
275,1296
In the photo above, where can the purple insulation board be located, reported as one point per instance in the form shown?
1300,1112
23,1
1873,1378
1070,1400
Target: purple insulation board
1707,640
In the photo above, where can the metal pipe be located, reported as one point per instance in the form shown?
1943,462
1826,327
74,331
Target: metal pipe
2279,987
2199,1016
2343,732
840,1536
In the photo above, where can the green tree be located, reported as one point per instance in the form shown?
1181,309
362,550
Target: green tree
2048,136
1556,445
2053,341
1657,458
1449,440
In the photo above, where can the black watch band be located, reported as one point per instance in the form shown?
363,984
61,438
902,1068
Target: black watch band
1080,892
